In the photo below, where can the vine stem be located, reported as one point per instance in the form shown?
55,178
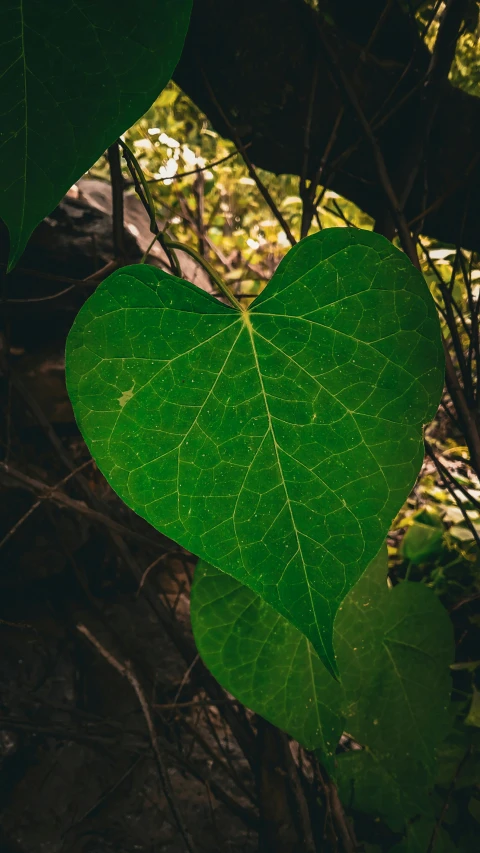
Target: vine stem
181,247
164,241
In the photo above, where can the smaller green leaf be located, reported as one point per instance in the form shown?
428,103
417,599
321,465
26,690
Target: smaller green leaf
393,647
394,658
264,660
419,837
421,541
389,790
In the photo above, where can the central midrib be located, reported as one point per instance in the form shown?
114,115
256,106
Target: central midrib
249,327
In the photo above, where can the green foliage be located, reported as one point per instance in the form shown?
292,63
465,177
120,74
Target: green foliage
393,649
264,660
395,655
423,538
74,77
242,238
277,443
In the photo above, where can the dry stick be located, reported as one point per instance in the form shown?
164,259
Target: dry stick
450,303
186,215
333,136
251,169
307,194
37,503
455,185
465,415
225,765
474,337
92,280
448,486
403,230
136,743
437,73
51,493
126,671
455,482
340,820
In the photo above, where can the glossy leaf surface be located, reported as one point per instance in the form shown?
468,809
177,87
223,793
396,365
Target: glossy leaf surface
276,443
74,77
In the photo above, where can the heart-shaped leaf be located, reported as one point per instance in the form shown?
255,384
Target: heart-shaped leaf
393,648
74,77
276,443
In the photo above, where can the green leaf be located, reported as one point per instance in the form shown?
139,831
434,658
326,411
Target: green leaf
394,661
74,77
423,538
394,648
421,541
276,443
419,836
265,661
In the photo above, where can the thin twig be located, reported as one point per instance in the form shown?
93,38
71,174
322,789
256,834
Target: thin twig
251,169
58,497
116,181
37,503
126,671
451,490
205,168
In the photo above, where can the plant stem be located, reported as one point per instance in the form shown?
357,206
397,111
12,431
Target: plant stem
181,247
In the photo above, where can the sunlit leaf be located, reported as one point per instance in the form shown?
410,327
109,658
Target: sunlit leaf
276,443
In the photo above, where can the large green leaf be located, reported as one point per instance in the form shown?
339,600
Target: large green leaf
276,443
394,648
74,76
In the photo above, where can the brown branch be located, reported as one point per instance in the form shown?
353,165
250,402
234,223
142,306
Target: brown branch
52,493
437,73
116,180
307,194
126,671
451,490
37,503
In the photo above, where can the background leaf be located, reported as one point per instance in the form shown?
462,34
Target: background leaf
265,661
394,657
74,77
278,443
394,648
